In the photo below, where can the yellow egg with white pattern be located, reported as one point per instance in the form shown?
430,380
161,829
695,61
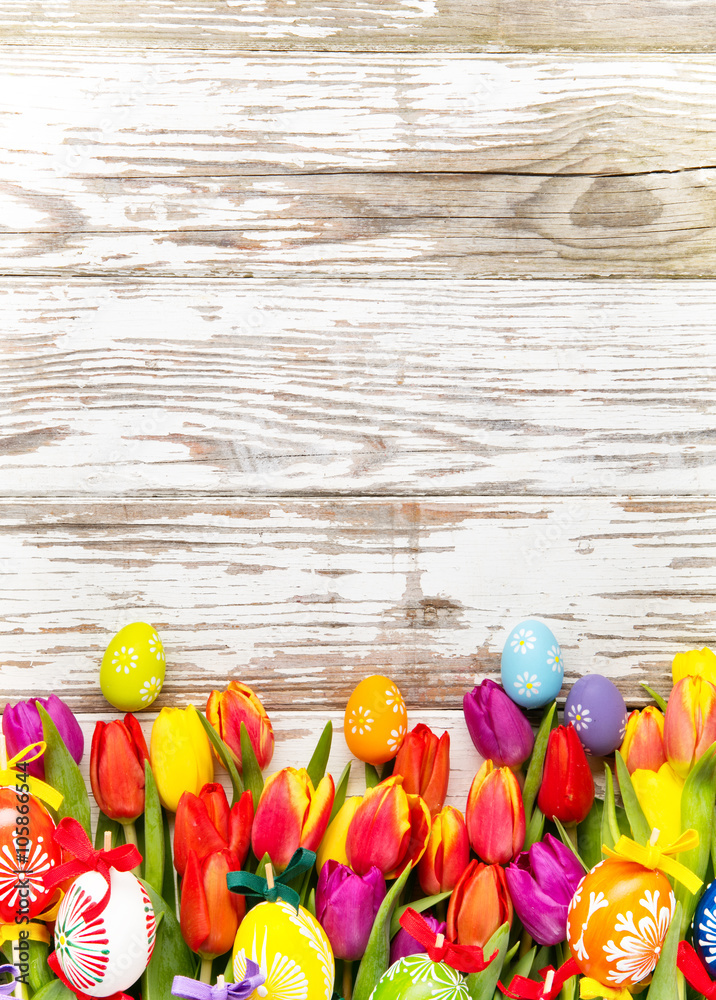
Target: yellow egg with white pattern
292,950
133,666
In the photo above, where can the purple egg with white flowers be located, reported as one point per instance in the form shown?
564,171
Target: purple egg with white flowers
597,711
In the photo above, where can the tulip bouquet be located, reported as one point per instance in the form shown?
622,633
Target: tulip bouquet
291,889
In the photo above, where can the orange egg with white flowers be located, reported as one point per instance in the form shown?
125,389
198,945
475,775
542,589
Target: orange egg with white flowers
617,922
376,721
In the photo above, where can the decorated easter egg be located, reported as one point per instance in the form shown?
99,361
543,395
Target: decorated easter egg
27,854
532,669
417,977
111,951
132,671
597,711
617,921
375,722
704,927
291,949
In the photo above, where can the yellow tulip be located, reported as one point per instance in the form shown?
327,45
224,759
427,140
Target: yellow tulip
659,795
695,663
180,755
333,845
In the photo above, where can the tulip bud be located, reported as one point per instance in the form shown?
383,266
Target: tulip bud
659,795
390,829
567,789
117,768
226,711
404,944
291,814
695,663
542,882
495,814
479,905
447,855
346,906
22,725
689,723
497,727
333,845
205,824
643,745
180,754
210,914
424,762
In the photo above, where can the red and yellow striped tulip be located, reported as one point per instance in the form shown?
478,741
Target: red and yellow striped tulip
390,829
689,723
291,814
447,855
479,905
424,762
643,746
495,815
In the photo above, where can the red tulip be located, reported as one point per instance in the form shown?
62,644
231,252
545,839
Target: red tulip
567,789
495,815
689,723
205,824
210,915
117,768
643,746
389,829
291,814
228,709
479,905
447,854
424,762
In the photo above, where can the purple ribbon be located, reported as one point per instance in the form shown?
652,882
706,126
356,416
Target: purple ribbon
192,989
7,989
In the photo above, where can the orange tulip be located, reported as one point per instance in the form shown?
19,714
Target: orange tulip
643,746
228,709
390,829
424,762
291,814
495,814
117,768
689,723
447,855
479,905
205,824
210,915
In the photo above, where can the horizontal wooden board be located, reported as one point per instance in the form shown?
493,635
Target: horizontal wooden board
152,387
372,25
302,599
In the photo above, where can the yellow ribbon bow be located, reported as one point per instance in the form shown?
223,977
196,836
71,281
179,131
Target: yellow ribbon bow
591,988
35,932
9,776
652,856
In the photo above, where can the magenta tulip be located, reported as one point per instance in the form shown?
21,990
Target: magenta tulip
542,882
346,905
497,727
404,944
21,726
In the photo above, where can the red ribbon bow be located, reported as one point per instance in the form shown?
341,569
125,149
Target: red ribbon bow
522,988
695,974
464,958
72,837
54,964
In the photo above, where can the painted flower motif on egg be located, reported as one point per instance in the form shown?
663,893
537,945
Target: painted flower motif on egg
532,668
417,977
133,666
704,927
25,857
375,721
597,710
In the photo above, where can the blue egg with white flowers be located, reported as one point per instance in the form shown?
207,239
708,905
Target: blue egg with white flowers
532,669
703,928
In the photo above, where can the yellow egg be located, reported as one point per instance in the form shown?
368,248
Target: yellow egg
132,671
292,949
375,722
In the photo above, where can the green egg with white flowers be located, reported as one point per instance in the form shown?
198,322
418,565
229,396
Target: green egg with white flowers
417,977
133,666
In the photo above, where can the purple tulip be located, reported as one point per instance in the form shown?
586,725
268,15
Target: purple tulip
404,944
542,882
499,730
21,726
346,905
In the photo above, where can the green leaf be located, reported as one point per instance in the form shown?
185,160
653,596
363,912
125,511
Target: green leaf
341,788
168,883
153,832
372,778
63,774
107,825
589,835
171,956
534,772
39,973
664,981
261,866
697,810
523,966
225,756
377,954
567,841
481,985
253,779
641,829
653,694
319,761
311,902
54,990
419,906
535,828
610,826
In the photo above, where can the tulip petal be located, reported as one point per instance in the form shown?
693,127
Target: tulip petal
194,913
318,815
280,816
194,832
379,832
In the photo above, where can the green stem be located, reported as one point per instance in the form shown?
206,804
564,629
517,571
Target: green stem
347,980
571,832
130,835
205,974
525,944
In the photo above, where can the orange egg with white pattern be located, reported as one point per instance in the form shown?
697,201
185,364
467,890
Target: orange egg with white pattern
376,721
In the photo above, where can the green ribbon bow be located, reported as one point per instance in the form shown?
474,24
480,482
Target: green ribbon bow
248,884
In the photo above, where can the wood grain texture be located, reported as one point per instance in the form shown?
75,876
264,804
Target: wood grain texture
146,388
372,25
301,599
